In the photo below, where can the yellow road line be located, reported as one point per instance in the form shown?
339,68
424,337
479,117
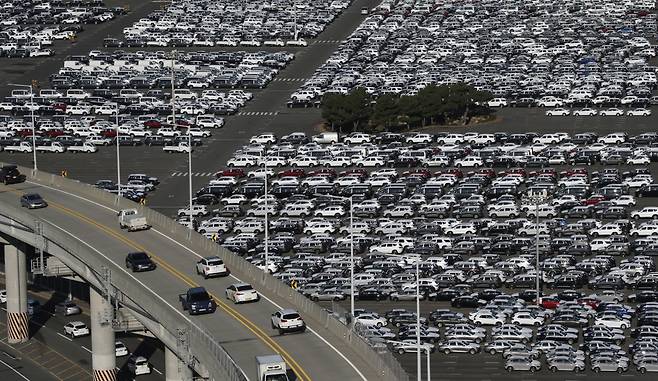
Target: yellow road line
301,373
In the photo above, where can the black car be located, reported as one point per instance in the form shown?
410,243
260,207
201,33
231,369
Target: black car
139,261
371,293
9,174
650,190
465,301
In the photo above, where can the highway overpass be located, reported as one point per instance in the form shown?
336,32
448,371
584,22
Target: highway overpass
80,228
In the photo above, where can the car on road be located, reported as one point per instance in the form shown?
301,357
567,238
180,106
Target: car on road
33,201
241,293
287,320
120,349
68,308
76,329
211,266
138,365
139,261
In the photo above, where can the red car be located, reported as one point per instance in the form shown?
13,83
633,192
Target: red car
59,106
231,172
550,303
455,171
109,133
592,302
27,132
519,171
489,172
352,172
418,172
593,200
152,123
323,172
295,172
574,171
54,133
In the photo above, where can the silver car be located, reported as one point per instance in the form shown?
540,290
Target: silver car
648,365
522,363
567,363
609,364
459,346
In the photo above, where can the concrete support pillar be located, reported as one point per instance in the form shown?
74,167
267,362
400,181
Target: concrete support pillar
16,280
103,357
175,369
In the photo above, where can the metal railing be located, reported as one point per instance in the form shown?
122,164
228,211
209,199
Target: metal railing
386,366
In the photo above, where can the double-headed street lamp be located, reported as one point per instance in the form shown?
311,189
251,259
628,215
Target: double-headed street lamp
351,200
538,200
34,142
426,347
418,345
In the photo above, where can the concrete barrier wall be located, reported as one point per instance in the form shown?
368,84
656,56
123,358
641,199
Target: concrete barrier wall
387,366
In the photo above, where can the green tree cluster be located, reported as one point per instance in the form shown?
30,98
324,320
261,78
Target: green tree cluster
431,105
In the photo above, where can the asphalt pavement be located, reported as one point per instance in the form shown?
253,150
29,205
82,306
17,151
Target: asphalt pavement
69,358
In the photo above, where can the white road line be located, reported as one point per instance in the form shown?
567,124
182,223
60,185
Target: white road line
198,256
156,369
67,338
15,371
86,349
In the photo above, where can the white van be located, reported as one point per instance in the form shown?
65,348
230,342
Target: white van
326,137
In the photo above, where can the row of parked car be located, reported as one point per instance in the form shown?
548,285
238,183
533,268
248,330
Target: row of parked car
153,70
227,23
473,234
29,28
532,54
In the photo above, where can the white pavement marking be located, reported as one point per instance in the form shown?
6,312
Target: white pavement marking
86,349
67,338
156,369
199,256
15,371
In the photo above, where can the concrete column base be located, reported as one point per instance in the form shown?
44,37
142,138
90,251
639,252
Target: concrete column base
103,356
175,369
16,280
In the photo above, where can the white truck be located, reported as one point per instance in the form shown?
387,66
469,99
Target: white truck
271,368
182,147
326,137
131,219
86,147
21,147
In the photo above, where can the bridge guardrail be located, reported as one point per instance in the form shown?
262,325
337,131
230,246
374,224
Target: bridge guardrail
385,364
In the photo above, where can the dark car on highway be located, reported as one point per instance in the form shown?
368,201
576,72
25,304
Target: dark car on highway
139,261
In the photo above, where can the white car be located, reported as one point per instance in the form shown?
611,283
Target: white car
370,319
486,318
120,349
211,266
138,365
370,161
469,161
612,112
646,212
241,293
585,112
639,112
558,111
242,161
3,296
299,42
288,320
276,42
523,318
612,322
497,102
638,160
76,329
86,147
263,139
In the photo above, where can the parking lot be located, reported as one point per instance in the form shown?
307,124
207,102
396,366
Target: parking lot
464,208
482,256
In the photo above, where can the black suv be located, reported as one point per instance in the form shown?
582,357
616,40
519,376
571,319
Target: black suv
9,175
139,261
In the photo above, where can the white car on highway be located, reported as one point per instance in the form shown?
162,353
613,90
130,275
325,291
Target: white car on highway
76,329
241,293
139,365
120,349
211,266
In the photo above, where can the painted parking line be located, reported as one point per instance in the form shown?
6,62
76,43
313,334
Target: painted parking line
157,371
86,349
14,370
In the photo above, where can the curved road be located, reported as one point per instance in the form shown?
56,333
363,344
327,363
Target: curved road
244,331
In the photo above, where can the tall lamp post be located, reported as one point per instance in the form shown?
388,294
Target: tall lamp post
34,141
116,140
426,347
538,200
418,345
189,135
351,200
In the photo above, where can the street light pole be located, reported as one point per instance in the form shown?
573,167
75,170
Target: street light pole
352,256
418,317
34,139
116,140
537,200
267,227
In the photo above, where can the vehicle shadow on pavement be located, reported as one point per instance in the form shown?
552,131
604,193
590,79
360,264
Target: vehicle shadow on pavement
146,348
45,312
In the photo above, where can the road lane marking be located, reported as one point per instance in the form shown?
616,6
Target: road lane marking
156,369
64,337
15,371
86,349
257,331
199,256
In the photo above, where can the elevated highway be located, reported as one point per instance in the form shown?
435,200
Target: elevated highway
80,227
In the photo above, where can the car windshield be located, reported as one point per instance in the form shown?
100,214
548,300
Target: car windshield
199,296
291,316
215,262
245,288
